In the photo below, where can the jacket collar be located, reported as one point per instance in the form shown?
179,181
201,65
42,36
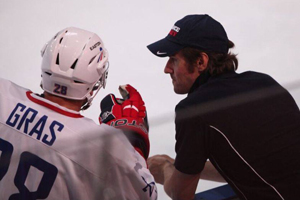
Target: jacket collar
205,77
202,79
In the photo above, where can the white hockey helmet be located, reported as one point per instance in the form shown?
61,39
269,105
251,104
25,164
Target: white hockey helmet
75,63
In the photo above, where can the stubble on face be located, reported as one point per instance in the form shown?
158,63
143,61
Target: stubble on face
183,77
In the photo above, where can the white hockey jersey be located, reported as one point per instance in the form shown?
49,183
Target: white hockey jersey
50,152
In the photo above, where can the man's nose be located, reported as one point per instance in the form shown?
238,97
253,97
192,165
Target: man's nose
168,68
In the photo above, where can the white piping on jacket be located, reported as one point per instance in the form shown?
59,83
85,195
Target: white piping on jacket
247,162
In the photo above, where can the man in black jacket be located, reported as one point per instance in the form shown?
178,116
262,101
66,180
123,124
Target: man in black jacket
246,124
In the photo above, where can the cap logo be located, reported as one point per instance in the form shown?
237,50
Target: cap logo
174,30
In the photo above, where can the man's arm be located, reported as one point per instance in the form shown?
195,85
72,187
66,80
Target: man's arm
211,174
177,184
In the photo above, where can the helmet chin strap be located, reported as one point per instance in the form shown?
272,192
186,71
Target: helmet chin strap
88,103
98,85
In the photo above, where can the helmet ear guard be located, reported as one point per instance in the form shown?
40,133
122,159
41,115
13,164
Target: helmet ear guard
75,65
98,85
103,78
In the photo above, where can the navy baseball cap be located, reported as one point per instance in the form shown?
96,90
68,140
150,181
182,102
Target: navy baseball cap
196,31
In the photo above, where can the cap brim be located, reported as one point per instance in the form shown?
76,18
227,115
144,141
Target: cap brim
164,47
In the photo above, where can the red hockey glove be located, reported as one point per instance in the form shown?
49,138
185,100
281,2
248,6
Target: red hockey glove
128,114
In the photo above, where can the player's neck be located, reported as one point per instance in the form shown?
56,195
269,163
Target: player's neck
67,103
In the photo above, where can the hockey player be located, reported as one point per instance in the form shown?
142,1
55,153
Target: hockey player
50,151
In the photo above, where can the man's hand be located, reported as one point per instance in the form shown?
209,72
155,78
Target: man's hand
128,114
157,165
176,184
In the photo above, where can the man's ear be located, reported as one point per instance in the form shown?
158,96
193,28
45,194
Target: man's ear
202,62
